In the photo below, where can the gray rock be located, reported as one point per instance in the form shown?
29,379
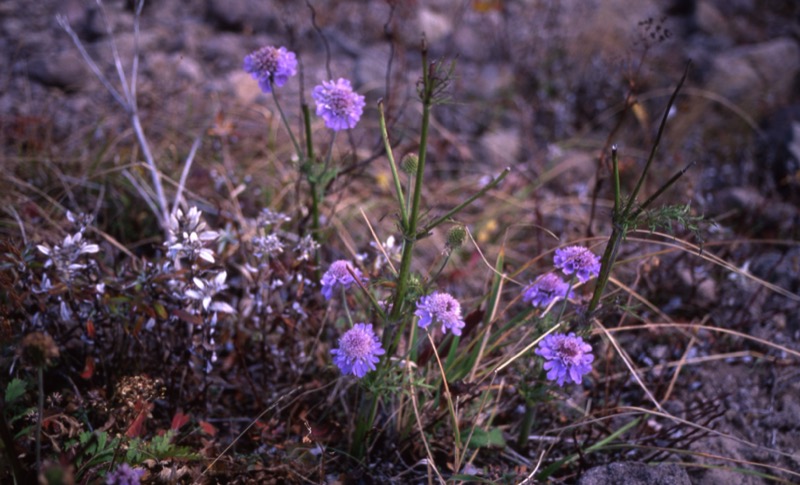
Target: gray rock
250,15
632,473
758,76
64,70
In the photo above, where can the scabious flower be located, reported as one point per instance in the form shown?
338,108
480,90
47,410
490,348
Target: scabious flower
271,65
545,290
358,350
579,260
568,357
339,275
440,307
337,104
125,475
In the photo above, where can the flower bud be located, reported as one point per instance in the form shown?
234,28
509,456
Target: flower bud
456,237
409,164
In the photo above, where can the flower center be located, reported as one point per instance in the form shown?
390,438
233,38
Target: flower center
356,344
568,349
267,59
340,103
339,270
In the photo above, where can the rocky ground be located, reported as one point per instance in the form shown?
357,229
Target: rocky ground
540,87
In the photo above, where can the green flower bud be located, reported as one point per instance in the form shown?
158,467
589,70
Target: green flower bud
409,164
456,236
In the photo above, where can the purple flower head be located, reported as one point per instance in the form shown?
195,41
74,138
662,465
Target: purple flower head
440,307
546,289
124,475
568,357
579,260
337,104
339,275
358,350
271,65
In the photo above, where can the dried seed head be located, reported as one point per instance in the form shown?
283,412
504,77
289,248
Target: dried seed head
39,349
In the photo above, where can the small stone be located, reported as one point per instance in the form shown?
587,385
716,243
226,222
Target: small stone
633,473
64,70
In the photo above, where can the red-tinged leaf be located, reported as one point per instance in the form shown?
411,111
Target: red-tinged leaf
88,369
188,317
208,428
179,420
90,332
137,426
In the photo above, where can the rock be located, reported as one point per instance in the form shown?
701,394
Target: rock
779,151
244,87
238,15
65,70
756,77
434,25
502,146
632,473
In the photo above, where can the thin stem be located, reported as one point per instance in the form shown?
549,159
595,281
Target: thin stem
662,189
606,262
460,206
566,299
395,176
525,428
285,122
411,230
346,307
307,125
330,153
656,143
450,407
617,189
40,376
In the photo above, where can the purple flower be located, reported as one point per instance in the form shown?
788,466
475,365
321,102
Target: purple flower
579,260
339,275
546,289
337,104
568,357
124,475
358,350
271,65
441,307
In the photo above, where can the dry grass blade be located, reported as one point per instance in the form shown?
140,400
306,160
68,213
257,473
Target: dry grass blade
696,250
623,355
697,326
377,240
420,428
706,429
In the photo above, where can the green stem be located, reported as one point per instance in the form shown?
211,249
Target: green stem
39,418
346,307
411,230
286,124
656,143
617,189
566,299
525,428
606,262
395,176
460,206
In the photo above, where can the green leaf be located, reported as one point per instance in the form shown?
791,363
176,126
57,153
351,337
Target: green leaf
14,390
481,439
